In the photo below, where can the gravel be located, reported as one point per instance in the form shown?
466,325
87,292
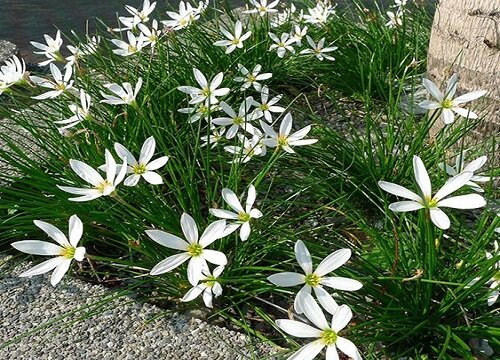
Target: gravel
77,320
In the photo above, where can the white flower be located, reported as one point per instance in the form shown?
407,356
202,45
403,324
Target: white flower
283,17
283,139
324,335
233,41
241,119
319,14
248,148
262,7
282,45
447,103
80,113
316,279
298,34
395,19
128,22
251,78
214,138
472,167
208,91
209,286
267,106
495,280
241,216
400,3
13,72
51,50
319,50
199,111
150,36
134,45
185,17
125,94
64,252
193,249
100,186
143,15
59,85
433,203
144,167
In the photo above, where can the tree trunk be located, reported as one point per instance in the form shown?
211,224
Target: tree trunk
465,39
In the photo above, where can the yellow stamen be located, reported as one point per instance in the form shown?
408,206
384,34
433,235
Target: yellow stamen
68,252
194,250
329,337
312,280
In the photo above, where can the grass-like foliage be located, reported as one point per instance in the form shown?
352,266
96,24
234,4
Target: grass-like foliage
163,151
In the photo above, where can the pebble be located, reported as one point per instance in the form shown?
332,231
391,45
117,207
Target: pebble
63,328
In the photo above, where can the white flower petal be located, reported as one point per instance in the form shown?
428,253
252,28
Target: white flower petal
404,206
439,218
232,200
37,247
470,201
153,178
286,279
245,231
75,230
43,267
189,228
348,348
325,299
303,257
341,283
422,177
59,271
169,263
398,190
195,269
308,352
333,261
147,150
312,310
452,185
341,318
214,257
193,293
213,232
52,232
298,329
167,240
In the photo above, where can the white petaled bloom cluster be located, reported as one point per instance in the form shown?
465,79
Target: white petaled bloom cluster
268,106
298,34
251,78
425,199
193,248
214,138
319,14
82,50
282,44
59,84
319,50
233,41
52,48
144,167
285,16
80,113
209,286
283,139
449,105
241,216
324,335
133,46
208,91
100,186
472,167
200,111
138,16
262,7
150,36
186,15
125,95
248,148
64,252
238,120
317,279
13,72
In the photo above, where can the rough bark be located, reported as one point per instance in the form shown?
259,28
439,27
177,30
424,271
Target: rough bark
465,39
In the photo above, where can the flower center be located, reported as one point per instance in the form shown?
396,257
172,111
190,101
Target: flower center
432,203
251,78
264,107
60,86
235,41
139,169
447,104
244,217
312,280
281,44
194,250
132,49
262,9
183,22
317,51
68,252
206,92
238,120
329,337
210,282
282,140
102,186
